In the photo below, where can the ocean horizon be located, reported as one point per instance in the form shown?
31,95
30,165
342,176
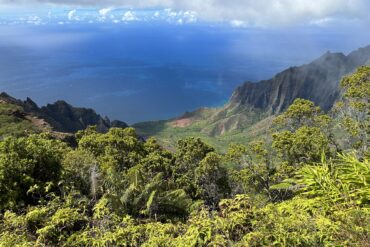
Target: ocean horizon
149,71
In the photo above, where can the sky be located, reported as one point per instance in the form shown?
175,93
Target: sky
262,13
148,60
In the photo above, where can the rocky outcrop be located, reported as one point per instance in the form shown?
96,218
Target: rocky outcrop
62,117
66,118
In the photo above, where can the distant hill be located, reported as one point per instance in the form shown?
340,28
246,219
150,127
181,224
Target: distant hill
58,117
252,105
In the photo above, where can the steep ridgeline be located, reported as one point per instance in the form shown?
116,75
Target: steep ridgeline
60,116
252,105
317,81
66,118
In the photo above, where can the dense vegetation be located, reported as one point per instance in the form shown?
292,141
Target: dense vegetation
307,184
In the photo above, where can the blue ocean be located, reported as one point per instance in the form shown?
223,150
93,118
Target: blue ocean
150,71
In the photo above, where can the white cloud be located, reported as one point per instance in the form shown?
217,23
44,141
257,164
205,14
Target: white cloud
322,22
237,23
172,14
190,16
129,16
179,17
34,20
105,11
72,15
252,12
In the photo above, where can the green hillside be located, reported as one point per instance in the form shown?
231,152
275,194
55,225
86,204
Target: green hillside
13,121
212,125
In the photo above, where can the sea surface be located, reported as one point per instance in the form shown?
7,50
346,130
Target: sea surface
139,72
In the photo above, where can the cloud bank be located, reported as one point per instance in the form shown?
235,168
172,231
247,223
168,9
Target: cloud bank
238,12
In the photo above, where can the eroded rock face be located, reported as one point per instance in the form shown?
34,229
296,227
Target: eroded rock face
251,103
317,81
63,117
66,118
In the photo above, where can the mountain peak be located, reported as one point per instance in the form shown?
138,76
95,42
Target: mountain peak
330,59
317,81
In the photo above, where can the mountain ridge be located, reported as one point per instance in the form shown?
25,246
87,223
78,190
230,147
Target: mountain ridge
253,102
59,116
317,81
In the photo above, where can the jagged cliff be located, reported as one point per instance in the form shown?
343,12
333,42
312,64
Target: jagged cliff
317,81
253,103
60,116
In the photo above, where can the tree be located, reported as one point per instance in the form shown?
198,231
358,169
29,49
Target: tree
304,133
190,152
354,109
81,173
257,172
211,179
118,150
302,113
30,168
151,190
306,145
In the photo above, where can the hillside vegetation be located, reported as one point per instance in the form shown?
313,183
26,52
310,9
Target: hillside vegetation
13,120
306,185
252,106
